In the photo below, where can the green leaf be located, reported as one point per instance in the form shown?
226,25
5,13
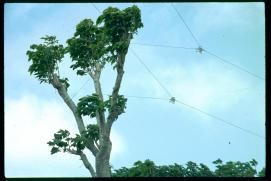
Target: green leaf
54,150
80,72
50,143
57,136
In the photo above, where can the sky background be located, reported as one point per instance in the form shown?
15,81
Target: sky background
151,128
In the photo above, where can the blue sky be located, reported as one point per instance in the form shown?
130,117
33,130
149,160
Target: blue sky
150,129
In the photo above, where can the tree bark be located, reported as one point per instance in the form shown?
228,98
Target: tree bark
80,124
87,164
102,158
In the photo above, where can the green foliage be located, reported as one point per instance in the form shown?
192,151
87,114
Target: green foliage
65,82
261,173
146,169
121,103
91,44
78,142
229,169
92,132
101,43
88,105
62,141
117,23
204,171
87,46
54,150
235,169
44,58
117,26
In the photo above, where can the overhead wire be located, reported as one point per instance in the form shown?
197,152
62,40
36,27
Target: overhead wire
210,53
146,67
96,7
180,16
142,62
178,101
201,111
236,66
160,45
145,97
80,88
219,119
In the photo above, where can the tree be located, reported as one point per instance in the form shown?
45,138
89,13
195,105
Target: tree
261,173
235,169
191,169
92,46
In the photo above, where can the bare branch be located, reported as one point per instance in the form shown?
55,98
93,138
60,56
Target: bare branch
87,164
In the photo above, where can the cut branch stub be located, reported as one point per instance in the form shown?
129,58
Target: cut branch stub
44,58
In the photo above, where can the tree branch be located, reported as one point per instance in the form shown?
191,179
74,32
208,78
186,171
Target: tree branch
84,159
90,73
71,151
65,96
100,117
113,115
87,164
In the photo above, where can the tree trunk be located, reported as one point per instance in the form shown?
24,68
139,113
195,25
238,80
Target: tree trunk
102,158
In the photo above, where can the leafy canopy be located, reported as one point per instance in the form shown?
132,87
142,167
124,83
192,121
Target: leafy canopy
92,44
45,57
101,43
191,169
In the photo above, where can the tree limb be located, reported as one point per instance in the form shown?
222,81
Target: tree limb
65,96
72,151
84,158
100,117
87,164
113,115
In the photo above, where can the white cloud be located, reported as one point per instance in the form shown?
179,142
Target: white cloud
222,16
30,123
117,144
200,85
